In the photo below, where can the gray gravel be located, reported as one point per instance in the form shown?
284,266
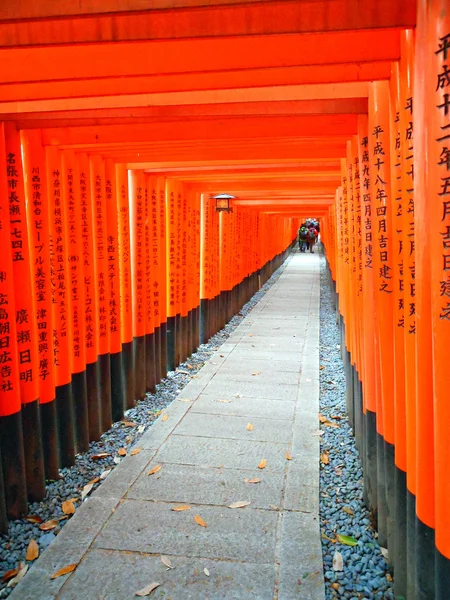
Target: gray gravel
365,571
72,480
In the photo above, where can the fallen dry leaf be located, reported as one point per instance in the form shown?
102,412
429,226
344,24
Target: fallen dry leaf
322,419
64,571
94,481
335,586
86,490
239,504
166,562
100,456
155,470
338,561
22,569
325,457
336,417
105,474
135,451
48,525
348,510
322,367
249,427
222,355
184,400
256,373
10,574
141,428
254,480
262,464
288,456
33,519
224,401
68,508
32,551
181,508
389,577
206,572
117,460
148,589
200,521
330,424
122,452
129,423
165,417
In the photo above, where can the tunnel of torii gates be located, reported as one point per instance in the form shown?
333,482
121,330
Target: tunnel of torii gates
118,125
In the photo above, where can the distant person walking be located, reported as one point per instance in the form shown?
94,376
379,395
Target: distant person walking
302,237
312,236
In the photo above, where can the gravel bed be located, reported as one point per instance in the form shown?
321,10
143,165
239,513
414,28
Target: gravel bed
123,434
365,572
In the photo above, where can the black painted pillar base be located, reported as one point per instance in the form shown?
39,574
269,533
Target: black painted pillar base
157,337
204,320
196,340
13,464
104,366
170,336
389,458
129,376
3,515
358,411
50,448
163,343
139,367
411,547
442,576
93,400
79,391
426,555
381,493
150,376
66,427
118,390
371,462
399,552
177,339
34,456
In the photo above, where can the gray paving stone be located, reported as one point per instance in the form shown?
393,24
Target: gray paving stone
113,575
301,574
245,374
244,534
185,484
241,407
251,365
208,452
235,428
125,474
255,389
243,352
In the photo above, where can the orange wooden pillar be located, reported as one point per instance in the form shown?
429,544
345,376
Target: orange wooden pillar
379,151
114,405
126,293
39,235
14,500
163,274
150,349
432,202
137,239
61,303
205,267
71,200
171,241
184,266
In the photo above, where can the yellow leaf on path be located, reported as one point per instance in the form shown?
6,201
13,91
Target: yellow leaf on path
224,401
180,508
325,457
184,399
262,464
64,571
165,417
129,424
48,525
100,456
22,569
322,367
256,373
254,480
33,519
200,521
32,550
93,481
10,574
349,511
241,504
86,490
68,508
135,451
148,589
121,452
322,419
288,456
249,427
155,470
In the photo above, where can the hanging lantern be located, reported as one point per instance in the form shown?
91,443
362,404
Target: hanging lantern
223,202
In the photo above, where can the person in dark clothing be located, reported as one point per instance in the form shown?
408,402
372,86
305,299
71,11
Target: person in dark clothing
302,237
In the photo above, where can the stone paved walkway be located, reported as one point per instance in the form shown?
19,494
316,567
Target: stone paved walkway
266,374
